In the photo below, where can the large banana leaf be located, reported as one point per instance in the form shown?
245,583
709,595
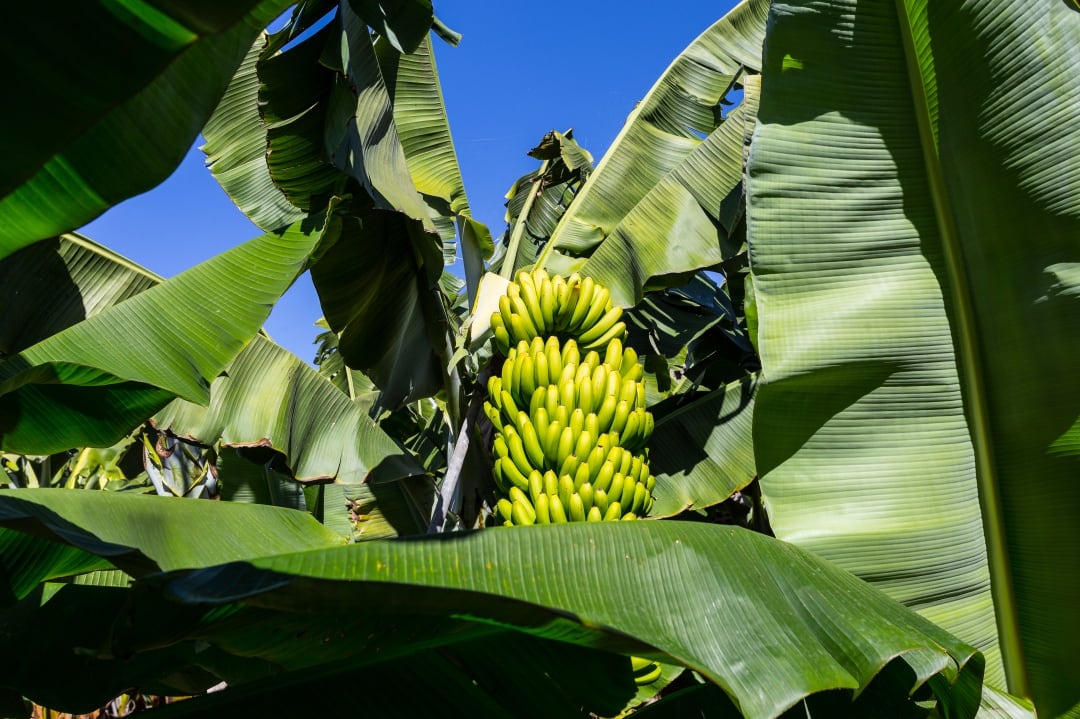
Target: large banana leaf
92,382
111,97
266,400
686,221
660,167
914,210
270,402
702,449
768,623
236,139
324,121
412,82
55,283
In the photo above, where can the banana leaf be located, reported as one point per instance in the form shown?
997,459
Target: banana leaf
677,156
287,418
913,210
236,148
90,383
112,97
768,623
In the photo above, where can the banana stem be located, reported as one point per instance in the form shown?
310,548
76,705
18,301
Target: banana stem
510,259
448,500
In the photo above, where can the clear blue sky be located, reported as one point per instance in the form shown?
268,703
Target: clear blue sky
521,69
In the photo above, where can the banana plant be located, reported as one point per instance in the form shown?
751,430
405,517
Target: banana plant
266,598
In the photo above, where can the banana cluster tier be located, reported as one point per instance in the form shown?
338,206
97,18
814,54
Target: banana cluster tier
569,413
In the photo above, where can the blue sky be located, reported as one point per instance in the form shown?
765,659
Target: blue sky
521,69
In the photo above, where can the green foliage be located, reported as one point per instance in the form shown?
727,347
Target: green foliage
845,199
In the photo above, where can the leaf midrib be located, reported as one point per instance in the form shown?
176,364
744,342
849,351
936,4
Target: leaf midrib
965,340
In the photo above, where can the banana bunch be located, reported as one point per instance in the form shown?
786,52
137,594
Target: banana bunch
537,305
571,430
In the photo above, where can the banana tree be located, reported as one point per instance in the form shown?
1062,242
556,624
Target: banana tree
337,145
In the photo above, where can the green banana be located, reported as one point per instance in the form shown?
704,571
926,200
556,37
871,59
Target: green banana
577,509
517,304
512,475
547,303
551,439
639,498
585,395
570,466
566,489
517,452
584,443
556,511
527,376
606,413
568,394
521,515
599,383
540,422
581,477
562,293
519,330
577,422
504,507
613,355
620,417
600,499
498,446
604,474
594,515
540,365
581,308
531,442
629,360
537,401
509,406
614,491
502,339
571,354
601,325
614,511
635,372
551,483
543,509
554,360
626,497
614,380
566,445
500,481
597,307
585,491
631,432
531,301
592,426
616,330
536,485
551,402
595,460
